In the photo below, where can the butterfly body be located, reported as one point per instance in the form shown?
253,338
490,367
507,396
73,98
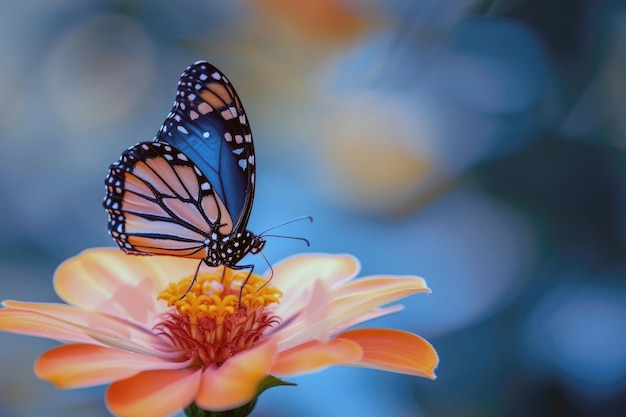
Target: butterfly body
189,192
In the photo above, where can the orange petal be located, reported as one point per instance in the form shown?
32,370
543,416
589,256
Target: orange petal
153,393
112,282
314,356
81,365
237,380
394,351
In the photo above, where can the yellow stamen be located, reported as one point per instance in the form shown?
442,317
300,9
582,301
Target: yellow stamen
210,321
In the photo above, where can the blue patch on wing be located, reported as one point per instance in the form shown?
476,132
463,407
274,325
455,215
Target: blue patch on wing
221,147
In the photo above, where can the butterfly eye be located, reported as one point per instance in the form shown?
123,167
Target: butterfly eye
257,246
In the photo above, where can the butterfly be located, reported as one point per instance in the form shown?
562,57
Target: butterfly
189,192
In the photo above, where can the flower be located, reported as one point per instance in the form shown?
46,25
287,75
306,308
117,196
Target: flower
162,344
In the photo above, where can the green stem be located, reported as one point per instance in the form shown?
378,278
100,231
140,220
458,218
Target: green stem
194,411
268,382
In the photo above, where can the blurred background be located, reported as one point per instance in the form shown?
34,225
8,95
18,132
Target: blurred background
479,144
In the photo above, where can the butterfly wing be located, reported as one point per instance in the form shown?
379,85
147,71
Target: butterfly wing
160,202
209,125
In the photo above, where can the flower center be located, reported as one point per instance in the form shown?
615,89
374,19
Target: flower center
210,322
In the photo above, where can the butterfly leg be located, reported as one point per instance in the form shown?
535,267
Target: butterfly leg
193,281
245,281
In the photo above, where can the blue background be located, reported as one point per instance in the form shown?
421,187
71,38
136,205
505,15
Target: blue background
478,144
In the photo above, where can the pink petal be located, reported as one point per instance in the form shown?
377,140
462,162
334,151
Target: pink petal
235,382
296,275
314,356
153,393
374,314
35,323
382,284
317,310
70,324
109,281
365,295
81,365
349,303
394,351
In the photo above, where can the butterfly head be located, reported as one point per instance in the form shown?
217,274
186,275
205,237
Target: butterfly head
256,244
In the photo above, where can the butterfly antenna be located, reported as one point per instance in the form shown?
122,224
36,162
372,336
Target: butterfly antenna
309,218
291,237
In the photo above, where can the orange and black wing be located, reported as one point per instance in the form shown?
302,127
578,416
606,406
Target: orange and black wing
160,203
